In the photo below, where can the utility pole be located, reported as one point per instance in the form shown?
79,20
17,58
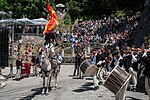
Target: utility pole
12,51
12,47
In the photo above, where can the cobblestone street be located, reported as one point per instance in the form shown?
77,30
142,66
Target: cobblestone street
70,89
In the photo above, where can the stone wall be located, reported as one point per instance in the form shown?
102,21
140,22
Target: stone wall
68,60
69,55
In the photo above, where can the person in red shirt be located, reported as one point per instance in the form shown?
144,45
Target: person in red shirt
23,71
28,67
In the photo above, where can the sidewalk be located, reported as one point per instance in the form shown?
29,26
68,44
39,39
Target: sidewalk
2,81
3,77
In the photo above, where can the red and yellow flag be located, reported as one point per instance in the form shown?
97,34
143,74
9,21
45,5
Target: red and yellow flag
53,19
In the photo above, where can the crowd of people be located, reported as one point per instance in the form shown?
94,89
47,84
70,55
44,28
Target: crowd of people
113,46
117,49
28,56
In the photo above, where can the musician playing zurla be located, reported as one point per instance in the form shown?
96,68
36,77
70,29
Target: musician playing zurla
146,60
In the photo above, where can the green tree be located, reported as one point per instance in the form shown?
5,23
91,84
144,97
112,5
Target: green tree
73,9
84,9
67,19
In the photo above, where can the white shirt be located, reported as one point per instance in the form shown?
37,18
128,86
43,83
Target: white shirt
59,59
117,61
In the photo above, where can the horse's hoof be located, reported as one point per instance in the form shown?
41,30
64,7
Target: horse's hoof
42,93
47,93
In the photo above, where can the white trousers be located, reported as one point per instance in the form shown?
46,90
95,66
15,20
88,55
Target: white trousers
95,80
147,85
100,74
134,76
18,73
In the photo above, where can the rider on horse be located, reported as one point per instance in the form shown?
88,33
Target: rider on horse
49,66
50,31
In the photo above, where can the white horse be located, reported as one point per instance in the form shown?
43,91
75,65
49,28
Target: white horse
49,67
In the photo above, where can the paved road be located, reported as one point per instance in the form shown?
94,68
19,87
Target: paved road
71,89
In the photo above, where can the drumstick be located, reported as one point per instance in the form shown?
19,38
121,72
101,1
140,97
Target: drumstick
96,66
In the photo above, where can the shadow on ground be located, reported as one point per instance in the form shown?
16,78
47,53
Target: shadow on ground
84,87
89,78
36,91
131,98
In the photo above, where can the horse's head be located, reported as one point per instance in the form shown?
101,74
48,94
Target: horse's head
45,61
50,49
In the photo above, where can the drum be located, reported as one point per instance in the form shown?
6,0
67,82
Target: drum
117,79
88,68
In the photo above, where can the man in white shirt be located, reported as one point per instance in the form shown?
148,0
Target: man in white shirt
59,59
132,71
95,80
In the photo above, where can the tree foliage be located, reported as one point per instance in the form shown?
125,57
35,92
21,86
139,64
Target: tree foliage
85,9
88,9
67,19
27,8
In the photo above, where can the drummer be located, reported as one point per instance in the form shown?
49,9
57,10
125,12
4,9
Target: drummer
100,63
95,80
118,61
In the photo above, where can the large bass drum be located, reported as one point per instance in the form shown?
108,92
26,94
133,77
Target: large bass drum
117,79
88,68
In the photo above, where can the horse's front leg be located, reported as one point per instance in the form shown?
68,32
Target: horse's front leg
48,83
43,88
50,78
55,79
